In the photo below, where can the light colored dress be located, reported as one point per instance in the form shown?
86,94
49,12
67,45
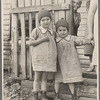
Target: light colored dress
69,68
44,55
95,51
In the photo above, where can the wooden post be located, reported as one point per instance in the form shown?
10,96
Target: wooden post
71,18
15,40
38,2
23,41
29,3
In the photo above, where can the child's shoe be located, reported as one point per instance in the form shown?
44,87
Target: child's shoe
44,97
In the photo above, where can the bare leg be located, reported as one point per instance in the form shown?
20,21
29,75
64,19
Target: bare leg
56,86
37,79
44,81
44,85
36,85
71,87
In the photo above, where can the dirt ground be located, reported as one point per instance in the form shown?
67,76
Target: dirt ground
12,90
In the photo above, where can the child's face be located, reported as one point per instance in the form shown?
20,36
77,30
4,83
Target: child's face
45,22
76,5
62,31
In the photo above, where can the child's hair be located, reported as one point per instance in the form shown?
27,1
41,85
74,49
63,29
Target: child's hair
63,23
43,13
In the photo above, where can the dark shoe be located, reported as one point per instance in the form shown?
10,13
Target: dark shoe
35,96
44,97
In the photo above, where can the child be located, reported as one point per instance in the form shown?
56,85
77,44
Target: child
77,16
69,69
44,53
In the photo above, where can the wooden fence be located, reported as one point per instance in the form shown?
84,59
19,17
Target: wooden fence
21,51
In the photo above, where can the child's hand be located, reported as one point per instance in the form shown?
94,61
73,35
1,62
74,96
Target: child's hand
92,42
46,39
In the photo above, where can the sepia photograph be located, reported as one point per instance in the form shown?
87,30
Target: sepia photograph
50,50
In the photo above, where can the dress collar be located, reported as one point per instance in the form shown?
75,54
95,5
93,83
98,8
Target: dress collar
67,38
43,30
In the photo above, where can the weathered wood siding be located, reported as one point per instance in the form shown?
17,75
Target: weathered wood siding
6,34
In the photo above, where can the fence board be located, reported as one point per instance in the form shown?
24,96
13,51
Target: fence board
15,40
29,52
38,8
23,41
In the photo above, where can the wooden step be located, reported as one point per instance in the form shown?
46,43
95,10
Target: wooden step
91,75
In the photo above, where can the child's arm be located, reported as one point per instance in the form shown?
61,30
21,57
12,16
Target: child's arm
81,41
33,39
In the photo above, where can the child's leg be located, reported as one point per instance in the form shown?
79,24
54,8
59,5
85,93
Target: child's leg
56,86
44,81
37,79
71,87
44,85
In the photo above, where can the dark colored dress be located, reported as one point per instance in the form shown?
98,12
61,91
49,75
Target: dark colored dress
69,68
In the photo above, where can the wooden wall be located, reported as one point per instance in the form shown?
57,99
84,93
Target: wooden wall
6,34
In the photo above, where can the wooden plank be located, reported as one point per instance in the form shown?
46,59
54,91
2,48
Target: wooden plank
82,27
15,40
83,21
38,8
56,13
85,62
6,17
6,23
30,53
6,28
7,6
84,98
27,3
84,57
92,75
6,33
84,15
38,2
47,2
81,33
87,89
82,9
88,95
23,41
6,12
90,82
33,2
6,52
